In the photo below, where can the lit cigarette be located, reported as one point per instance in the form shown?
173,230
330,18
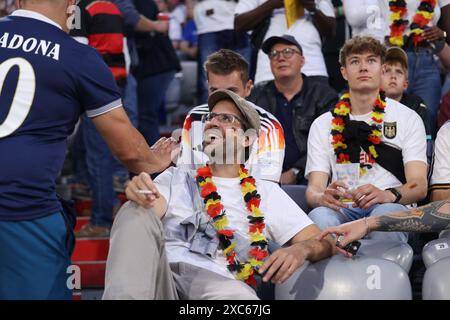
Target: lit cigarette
144,191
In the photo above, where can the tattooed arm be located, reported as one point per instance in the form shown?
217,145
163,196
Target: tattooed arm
433,217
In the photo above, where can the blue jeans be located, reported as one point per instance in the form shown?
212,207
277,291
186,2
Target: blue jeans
325,217
34,257
424,81
130,100
151,93
446,86
101,166
213,41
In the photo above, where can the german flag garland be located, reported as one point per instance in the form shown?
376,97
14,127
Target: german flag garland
423,15
215,210
340,117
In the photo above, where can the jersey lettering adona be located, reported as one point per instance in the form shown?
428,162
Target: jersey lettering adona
47,80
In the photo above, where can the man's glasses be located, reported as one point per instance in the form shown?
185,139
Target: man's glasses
224,118
286,52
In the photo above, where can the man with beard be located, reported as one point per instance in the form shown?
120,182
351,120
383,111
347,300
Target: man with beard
212,242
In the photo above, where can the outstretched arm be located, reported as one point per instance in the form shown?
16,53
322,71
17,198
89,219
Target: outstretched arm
303,246
433,217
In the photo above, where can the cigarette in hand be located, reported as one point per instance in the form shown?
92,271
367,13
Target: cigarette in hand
144,191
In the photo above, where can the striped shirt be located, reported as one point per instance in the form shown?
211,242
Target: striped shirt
102,24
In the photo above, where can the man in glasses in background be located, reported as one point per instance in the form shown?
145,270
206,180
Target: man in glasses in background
294,101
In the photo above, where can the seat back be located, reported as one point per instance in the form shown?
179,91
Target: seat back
298,194
436,250
395,251
436,281
339,277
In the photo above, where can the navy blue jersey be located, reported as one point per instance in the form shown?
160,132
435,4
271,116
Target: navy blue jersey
47,80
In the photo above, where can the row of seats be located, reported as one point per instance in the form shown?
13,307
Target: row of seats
378,271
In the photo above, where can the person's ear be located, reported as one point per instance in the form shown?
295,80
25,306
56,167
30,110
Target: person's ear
248,88
302,61
344,73
405,84
250,136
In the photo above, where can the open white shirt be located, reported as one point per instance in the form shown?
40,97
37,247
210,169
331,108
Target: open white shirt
283,218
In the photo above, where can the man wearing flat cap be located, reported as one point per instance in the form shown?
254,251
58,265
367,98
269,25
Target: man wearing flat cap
203,234
294,99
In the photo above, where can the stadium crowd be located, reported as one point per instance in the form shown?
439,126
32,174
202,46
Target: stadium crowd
348,100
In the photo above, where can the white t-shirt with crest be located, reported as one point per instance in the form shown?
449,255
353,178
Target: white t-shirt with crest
409,136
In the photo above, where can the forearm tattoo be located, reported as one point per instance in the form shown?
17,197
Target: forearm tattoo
433,217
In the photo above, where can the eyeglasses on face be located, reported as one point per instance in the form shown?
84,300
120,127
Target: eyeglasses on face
286,52
224,118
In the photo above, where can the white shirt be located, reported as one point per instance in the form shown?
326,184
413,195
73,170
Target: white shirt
304,32
371,17
441,167
410,138
177,18
214,15
283,218
34,15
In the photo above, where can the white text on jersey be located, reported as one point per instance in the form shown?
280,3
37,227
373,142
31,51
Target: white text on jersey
43,47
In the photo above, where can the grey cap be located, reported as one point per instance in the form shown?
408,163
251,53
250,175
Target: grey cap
285,38
251,116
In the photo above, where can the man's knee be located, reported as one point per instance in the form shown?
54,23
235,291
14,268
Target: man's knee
386,208
325,217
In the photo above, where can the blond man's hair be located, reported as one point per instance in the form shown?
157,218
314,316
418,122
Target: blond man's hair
361,44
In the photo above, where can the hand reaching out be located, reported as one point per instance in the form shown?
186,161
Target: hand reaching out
165,151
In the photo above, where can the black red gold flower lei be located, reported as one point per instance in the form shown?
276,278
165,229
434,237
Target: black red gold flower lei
340,117
423,16
215,210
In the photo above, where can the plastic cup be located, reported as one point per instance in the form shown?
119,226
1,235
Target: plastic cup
163,17
349,174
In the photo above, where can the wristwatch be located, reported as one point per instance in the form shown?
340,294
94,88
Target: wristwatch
396,193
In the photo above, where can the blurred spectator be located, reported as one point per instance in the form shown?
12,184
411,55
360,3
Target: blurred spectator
444,112
294,101
189,41
215,27
440,179
226,69
444,56
7,7
176,11
316,23
331,48
102,28
374,17
154,61
394,81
